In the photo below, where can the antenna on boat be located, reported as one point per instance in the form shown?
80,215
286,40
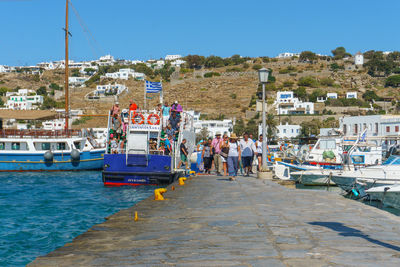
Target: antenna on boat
67,34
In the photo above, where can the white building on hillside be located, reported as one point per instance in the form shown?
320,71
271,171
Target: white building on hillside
4,69
112,89
124,74
178,62
172,57
288,55
376,125
284,131
24,99
359,59
331,95
350,95
214,126
77,81
46,65
287,104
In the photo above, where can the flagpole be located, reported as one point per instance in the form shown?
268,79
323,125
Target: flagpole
161,94
144,105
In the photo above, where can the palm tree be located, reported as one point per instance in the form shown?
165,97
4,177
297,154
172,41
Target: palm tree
270,123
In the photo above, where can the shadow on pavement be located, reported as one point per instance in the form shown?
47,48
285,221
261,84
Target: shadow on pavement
344,230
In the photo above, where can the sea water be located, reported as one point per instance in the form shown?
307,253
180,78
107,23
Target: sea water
40,212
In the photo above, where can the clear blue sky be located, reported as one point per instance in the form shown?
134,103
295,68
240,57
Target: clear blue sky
31,30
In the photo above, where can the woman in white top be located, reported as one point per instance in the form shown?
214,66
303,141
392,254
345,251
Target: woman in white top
233,156
259,151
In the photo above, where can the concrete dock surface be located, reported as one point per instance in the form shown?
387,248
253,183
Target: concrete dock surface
211,221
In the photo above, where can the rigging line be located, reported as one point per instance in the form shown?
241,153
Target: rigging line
89,35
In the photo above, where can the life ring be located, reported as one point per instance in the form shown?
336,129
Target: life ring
136,115
150,119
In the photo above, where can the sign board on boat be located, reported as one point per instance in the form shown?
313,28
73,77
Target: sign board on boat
144,127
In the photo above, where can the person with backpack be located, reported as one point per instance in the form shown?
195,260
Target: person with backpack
234,155
224,146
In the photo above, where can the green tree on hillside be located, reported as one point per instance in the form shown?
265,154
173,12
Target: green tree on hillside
393,81
3,91
41,91
340,52
315,94
214,62
194,61
301,93
307,56
307,81
371,95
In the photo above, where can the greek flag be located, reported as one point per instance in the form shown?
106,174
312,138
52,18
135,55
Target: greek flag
363,136
153,87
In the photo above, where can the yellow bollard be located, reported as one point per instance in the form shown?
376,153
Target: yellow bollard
136,216
181,180
158,193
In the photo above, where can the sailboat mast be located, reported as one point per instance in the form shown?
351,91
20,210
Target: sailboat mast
66,67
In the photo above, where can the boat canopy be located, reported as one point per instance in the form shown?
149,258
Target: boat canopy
27,114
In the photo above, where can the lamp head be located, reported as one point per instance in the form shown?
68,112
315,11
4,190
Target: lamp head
263,75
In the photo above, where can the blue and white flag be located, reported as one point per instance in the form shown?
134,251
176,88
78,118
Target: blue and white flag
153,87
363,136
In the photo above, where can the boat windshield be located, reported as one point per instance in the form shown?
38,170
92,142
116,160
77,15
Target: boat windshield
392,160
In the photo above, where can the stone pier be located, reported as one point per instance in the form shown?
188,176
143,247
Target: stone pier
211,221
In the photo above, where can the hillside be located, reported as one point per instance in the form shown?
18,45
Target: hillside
230,92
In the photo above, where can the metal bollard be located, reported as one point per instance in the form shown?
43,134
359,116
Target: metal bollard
181,180
158,193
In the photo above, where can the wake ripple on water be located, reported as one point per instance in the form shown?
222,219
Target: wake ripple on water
40,212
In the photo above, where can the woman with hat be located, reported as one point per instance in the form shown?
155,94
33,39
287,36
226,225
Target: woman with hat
233,157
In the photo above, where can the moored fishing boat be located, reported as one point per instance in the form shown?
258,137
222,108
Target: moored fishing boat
389,195
43,150
363,178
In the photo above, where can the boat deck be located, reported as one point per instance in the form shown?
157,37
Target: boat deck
211,221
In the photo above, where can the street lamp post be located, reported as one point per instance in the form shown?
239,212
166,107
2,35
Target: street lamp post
263,77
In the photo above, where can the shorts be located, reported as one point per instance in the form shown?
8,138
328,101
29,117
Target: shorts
246,161
183,157
223,160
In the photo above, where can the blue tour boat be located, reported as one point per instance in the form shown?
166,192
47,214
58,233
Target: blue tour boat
140,161
44,150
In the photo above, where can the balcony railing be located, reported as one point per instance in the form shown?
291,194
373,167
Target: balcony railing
13,133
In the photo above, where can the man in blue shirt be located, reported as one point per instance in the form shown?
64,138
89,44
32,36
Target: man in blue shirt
174,121
166,111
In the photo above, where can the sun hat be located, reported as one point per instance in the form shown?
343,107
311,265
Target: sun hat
233,136
217,133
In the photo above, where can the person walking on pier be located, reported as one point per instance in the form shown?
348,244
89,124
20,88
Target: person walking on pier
207,156
248,148
224,153
216,143
184,154
259,152
234,155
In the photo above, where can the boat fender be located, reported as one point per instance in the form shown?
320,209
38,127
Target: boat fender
48,156
75,155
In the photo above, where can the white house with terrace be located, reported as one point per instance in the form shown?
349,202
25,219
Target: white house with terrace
124,74
112,89
172,57
287,104
24,99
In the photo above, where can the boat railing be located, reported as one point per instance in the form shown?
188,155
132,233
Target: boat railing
38,133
